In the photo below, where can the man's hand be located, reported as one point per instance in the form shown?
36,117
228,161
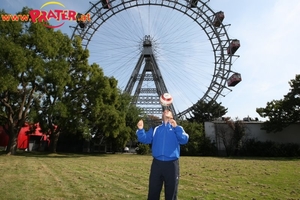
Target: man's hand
140,124
173,122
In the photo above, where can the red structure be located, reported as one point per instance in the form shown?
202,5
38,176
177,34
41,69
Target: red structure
30,138
3,137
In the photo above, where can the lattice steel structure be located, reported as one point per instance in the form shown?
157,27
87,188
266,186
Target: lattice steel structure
196,10
147,98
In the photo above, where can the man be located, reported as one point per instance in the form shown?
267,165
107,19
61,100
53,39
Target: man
166,140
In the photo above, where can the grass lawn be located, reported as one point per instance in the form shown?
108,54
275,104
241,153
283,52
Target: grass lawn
125,176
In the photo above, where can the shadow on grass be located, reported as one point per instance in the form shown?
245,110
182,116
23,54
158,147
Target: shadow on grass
53,155
264,158
295,158
78,155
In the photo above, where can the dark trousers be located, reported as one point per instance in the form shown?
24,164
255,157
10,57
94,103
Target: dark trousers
167,173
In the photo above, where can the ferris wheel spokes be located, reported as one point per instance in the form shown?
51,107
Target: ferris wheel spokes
211,23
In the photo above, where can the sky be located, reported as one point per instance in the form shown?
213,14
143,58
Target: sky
268,57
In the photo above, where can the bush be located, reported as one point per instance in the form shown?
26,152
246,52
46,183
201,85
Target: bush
143,149
207,148
201,147
251,147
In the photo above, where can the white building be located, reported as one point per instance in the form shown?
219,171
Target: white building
290,134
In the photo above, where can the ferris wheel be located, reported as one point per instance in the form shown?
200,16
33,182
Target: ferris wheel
157,46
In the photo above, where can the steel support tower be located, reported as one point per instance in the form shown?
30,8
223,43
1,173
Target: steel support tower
146,83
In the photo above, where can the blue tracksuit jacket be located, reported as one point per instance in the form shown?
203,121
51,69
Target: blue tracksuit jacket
165,140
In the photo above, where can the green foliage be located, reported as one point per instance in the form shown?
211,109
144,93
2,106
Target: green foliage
252,147
196,133
203,111
281,113
207,148
32,64
132,117
46,78
143,149
198,143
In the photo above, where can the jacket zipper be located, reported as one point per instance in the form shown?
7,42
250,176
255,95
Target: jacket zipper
163,149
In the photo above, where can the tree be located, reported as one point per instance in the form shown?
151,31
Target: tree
203,111
29,54
198,143
49,106
91,103
283,112
195,131
46,77
132,117
231,134
128,115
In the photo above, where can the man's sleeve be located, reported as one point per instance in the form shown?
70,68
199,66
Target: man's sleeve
145,137
181,135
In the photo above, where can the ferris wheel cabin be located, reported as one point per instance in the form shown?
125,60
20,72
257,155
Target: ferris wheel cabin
233,47
218,19
234,79
194,3
105,4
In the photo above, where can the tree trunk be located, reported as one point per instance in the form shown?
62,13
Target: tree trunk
53,141
12,142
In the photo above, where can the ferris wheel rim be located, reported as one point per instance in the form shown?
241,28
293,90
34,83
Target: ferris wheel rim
201,14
